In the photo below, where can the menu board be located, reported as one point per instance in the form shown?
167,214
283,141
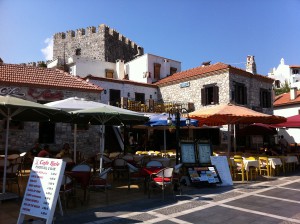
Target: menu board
188,152
222,166
42,188
204,153
205,174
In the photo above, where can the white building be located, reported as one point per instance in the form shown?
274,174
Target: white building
286,73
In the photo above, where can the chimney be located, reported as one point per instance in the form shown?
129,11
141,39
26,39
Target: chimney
120,69
293,93
251,65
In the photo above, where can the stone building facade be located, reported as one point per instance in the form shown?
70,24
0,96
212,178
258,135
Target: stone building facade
189,86
104,44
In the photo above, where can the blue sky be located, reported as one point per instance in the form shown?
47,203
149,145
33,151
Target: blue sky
190,31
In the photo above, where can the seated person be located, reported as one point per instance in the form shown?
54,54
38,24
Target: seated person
65,151
34,151
45,152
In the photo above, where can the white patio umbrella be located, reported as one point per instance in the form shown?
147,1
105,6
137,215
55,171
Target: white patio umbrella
72,104
108,115
12,108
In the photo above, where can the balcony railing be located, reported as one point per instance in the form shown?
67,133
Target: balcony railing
152,106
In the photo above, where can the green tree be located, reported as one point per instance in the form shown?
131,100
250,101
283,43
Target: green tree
285,88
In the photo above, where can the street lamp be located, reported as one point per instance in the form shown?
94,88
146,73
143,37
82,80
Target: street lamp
177,112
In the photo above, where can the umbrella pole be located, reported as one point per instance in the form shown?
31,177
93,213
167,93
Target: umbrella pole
165,143
6,149
102,127
75,141
229,139
234,138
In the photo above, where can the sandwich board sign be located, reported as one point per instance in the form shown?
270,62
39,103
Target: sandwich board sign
42,189
222,166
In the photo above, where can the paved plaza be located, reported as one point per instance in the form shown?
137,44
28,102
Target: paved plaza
276,200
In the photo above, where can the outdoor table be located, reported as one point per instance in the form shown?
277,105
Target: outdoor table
249,163
275,162
83,178
291,159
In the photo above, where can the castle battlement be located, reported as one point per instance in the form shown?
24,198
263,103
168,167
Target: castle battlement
91,30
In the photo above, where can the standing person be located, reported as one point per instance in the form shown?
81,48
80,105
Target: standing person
283,144
45,152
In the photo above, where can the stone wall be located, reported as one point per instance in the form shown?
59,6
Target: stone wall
104,44
192,93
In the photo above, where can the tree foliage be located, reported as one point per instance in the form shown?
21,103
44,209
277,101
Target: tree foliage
285,88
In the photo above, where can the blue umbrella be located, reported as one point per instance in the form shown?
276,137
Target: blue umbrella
162,120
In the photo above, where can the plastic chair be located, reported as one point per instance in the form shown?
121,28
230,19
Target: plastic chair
99,182
67,189
119,167
134,175
239,168
264,166
177,177
162,180
154,163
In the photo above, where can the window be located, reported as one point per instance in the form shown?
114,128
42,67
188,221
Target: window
140,97
173,70
295,71
239,93
210,95
78,51
265,98
277,84
157,71
109,73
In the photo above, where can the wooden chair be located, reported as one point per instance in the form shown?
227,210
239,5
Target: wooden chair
264,166
253,171
12,176
161,180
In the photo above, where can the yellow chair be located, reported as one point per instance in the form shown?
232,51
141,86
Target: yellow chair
264,166
253,171
239,168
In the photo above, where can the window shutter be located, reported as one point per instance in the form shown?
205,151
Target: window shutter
268,99
216,95
203,97
245,95
261,98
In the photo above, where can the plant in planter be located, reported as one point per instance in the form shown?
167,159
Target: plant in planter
172,128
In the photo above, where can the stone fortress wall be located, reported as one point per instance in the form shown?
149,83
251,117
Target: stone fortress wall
104,44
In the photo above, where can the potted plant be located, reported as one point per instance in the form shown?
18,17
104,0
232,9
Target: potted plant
172,128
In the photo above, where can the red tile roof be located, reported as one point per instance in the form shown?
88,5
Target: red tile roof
197,72
285,99
294,66
123,81
21,75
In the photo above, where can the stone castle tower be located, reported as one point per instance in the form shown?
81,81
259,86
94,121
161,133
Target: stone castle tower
251,65
104,44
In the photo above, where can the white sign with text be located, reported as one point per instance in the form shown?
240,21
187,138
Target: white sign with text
43,188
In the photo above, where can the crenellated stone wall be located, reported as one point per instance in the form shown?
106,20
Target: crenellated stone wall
104,44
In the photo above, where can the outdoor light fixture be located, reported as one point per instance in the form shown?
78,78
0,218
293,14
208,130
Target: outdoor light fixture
177,112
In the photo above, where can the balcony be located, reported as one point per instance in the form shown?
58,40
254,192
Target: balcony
152,106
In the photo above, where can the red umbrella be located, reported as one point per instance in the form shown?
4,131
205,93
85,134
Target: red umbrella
291,122
257,129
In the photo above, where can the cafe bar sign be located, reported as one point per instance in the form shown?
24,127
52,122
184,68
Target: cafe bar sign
42,189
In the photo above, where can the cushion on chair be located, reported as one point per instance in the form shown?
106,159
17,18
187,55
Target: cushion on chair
160,179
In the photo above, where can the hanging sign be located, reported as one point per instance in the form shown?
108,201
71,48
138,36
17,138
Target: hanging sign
42,189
